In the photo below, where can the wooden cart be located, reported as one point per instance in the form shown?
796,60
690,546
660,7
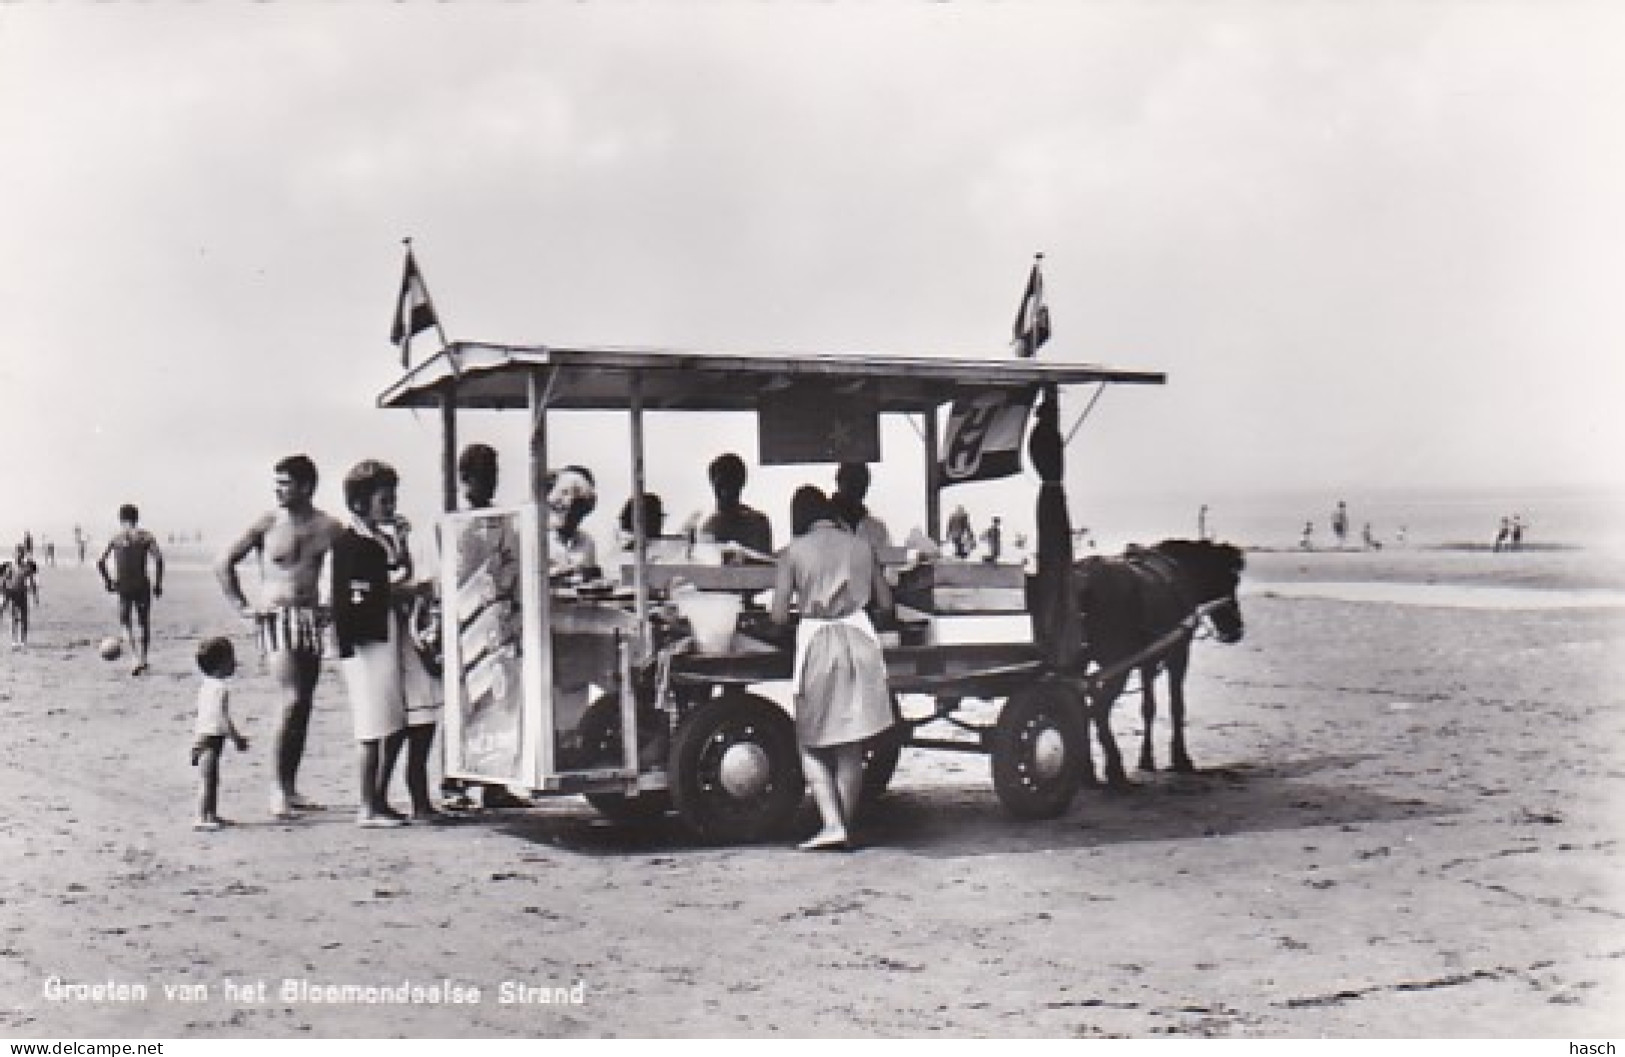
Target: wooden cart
596,690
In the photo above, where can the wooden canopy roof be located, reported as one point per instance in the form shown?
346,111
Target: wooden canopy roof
487,376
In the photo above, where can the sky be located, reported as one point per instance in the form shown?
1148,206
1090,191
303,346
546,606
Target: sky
1372,245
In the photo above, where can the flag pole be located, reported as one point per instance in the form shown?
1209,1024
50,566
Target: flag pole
448,393
1026,345
1038,303
427,296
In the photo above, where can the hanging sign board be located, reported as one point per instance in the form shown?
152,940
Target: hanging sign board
817,423
488,617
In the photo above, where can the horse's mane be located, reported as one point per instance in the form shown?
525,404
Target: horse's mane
1229,555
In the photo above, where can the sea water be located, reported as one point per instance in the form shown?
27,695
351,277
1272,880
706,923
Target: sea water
1553,518
1452,596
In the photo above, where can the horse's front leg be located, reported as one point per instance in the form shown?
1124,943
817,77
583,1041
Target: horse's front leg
1100,706
1178,661
1086,715
1148,715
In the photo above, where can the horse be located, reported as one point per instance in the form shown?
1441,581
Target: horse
1144,600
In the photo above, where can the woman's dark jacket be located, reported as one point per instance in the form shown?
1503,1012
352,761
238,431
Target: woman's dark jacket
361,604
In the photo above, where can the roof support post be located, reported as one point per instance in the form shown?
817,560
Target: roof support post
539,388
933,479
448,446
640,528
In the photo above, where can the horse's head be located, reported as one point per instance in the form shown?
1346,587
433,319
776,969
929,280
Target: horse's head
1213,571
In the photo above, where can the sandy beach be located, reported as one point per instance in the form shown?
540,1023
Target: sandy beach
1406,822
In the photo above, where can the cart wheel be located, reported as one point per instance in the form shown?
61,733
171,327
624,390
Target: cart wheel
880,755
735,769
1038,751
601,747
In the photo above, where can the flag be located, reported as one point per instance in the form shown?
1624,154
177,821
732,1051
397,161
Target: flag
414,312
1032,318
983,438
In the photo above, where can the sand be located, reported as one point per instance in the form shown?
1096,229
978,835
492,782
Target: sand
1406,823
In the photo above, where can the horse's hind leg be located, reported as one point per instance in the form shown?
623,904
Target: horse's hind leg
1101,708
1148,715
1177,663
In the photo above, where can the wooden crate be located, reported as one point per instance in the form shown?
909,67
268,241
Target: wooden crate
964,587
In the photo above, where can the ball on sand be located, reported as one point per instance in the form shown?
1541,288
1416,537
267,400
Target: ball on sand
110,648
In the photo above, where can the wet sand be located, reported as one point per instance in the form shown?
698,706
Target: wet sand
1405,823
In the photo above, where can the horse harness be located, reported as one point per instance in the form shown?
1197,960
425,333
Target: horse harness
1153,569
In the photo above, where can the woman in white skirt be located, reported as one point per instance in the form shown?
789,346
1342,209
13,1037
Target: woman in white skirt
839,678
370,636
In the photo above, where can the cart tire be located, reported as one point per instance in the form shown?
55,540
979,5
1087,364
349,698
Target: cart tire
736,770
600,730
880,754
1039,751
601,746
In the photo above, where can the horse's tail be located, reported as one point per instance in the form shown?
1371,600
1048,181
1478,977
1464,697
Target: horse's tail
1099,589
1085,581
1117,598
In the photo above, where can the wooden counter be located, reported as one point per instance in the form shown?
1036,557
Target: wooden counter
707,577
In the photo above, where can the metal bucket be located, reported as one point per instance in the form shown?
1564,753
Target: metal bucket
712,616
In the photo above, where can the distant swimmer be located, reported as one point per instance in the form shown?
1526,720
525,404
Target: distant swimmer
993,538
960,533
130,548
1340,523
293,542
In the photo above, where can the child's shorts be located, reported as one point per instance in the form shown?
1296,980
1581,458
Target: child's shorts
215,743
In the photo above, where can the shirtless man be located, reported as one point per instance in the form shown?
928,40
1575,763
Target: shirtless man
293,542
129,549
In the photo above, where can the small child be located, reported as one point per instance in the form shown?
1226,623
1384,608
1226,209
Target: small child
217,661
